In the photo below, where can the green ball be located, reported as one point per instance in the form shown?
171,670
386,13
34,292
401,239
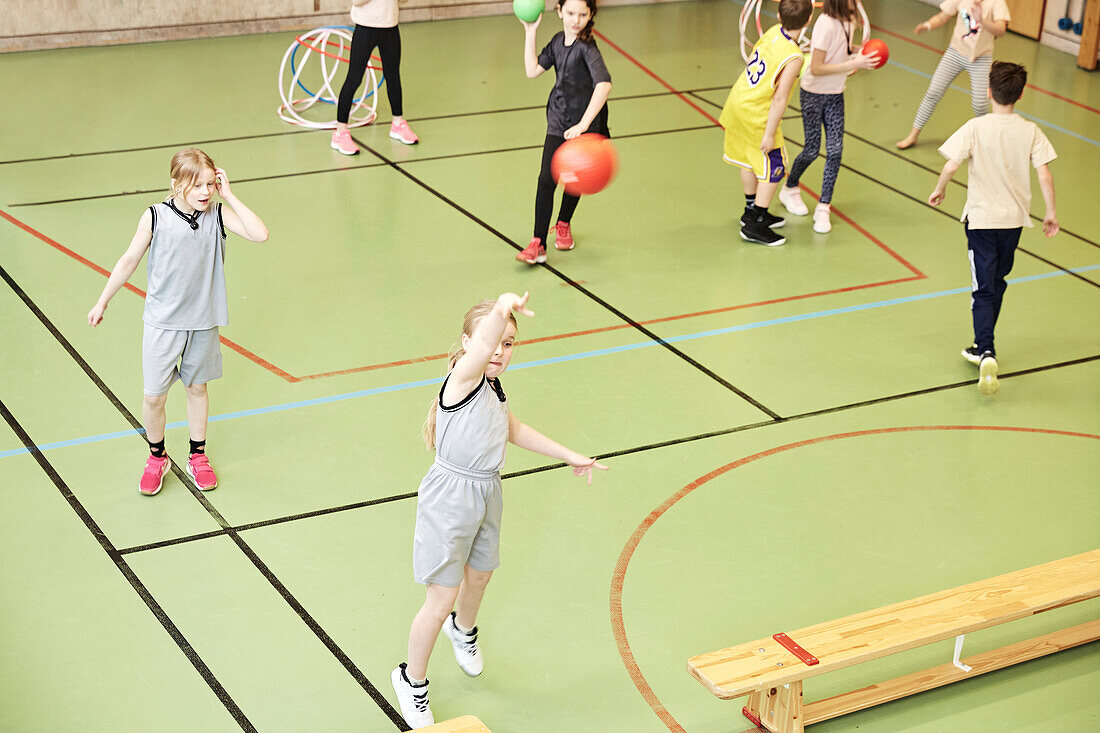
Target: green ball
528,10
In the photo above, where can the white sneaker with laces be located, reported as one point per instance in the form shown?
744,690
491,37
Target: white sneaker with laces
987,374
792,201
467,654
412,700
822,225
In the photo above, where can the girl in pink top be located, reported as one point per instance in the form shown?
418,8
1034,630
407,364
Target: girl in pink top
821,95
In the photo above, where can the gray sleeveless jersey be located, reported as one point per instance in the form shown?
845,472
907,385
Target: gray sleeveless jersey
474,433
186,281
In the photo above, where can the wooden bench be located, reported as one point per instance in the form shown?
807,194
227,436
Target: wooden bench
465,724
770,671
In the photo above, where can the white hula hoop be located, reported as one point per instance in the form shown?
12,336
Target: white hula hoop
751,9
315,41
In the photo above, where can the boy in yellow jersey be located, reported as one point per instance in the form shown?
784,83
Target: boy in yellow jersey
751,117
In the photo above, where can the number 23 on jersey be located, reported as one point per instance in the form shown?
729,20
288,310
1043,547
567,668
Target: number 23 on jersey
756,69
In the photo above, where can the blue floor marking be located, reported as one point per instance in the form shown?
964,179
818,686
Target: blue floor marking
544,362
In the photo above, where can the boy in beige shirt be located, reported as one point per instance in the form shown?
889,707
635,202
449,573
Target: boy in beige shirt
1000,147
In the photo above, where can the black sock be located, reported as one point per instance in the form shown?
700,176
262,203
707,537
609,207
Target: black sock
156,449
198,446
750,201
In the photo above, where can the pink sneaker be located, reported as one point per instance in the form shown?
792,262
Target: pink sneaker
201,472
342,143
534,253
563,237
152,478
400,130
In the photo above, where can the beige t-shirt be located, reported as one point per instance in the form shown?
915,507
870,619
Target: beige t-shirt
376,13
1002,149
969,44
833,37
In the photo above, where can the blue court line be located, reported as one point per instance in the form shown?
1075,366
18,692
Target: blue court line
544,362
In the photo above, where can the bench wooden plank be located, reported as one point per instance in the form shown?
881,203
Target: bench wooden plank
945,674
465,724
739,670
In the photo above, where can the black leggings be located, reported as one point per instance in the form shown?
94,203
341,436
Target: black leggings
544,198
818,110
363,43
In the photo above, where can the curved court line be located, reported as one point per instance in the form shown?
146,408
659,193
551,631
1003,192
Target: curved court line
618,577
545,362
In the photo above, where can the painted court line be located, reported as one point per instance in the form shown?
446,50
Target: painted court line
545,362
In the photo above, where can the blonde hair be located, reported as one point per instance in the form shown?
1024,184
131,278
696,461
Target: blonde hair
186,167
469,325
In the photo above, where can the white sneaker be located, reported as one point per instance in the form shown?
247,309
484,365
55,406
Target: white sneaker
413,700
987,374
791,198
467,654
822,225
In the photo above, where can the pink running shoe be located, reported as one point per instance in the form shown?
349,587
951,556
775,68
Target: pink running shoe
400,130
342,143
563,237
201,472
534,253
152,478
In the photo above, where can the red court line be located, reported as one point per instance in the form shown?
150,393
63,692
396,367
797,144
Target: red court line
106,273
925,46
618,576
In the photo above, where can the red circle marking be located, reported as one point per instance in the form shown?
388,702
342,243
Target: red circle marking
617,579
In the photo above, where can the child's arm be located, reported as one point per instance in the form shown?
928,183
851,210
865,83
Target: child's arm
125,267
780,99
946,175
595,104
1046,185
530,55
238,218
936,21
818,67
527,437
996,28
480,347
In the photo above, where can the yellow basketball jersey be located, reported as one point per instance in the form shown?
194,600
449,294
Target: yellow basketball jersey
750,98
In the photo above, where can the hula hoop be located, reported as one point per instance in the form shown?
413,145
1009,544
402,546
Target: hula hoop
751,9
314,42
326,100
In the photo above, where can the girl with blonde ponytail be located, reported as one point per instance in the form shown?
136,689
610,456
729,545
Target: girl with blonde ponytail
456,543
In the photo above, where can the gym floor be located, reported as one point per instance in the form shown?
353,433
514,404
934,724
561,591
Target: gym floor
864,466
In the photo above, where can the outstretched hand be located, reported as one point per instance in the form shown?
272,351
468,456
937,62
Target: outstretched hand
516,303
585,468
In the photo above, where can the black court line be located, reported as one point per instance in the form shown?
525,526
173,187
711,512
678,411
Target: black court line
262,567
538,146
128,573
939,210
612,454
238,138
572,283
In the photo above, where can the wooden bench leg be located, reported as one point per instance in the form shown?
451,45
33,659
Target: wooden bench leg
777,709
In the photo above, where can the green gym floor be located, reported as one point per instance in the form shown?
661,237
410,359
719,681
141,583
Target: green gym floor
868,468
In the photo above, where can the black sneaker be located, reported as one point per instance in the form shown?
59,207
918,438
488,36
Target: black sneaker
987,373
758,232
770,220
972,355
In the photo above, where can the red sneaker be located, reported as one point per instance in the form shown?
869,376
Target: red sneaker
563,237
534,253
152,478
200,471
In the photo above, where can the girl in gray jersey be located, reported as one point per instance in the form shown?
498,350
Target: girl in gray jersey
456,543
185,304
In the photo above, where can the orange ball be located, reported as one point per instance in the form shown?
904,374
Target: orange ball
585,164
877,47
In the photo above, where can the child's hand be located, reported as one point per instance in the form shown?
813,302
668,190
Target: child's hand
95,315
861,61
532,26
574,131
936,198
221,183
1050,225
768,144
513,302
584,467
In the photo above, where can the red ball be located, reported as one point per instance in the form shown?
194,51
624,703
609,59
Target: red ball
585,164
876,47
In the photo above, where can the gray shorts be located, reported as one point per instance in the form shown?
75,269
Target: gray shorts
193,357
457,523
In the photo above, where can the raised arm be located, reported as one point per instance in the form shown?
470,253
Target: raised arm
527,437
1046,185
238,218
783,87
938,20
480,347
530,55
125,267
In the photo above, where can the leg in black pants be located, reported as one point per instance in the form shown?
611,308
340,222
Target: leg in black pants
991,255
363,43
544,198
